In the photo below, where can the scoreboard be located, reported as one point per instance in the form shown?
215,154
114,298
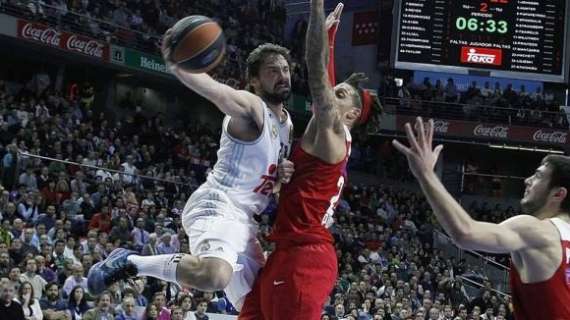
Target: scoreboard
522,39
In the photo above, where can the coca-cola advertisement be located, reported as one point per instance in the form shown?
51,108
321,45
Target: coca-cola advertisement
549,136
440,126
457,129
491,131
52,37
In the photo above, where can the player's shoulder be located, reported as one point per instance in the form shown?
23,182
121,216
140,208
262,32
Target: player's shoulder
530,226
526,221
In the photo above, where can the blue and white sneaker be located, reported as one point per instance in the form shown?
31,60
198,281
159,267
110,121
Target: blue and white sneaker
116,267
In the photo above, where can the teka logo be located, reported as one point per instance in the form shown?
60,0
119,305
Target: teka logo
482,56
550,137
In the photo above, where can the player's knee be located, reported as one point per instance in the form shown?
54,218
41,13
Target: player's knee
217,273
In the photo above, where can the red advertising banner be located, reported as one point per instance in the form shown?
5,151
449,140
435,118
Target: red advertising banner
49,36
495,132
365,28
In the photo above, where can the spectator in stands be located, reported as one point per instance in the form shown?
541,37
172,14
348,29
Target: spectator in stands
151,312
10,308
30,276
9,167
102,310
53,306
200,313
128,310
30,304
74,280
77,304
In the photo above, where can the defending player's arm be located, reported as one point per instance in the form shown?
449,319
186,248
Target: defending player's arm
317,56
521,232
232,102
331,23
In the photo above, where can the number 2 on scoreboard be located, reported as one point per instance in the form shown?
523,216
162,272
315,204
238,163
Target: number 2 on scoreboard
484,7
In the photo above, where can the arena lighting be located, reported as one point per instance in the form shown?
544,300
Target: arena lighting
519,148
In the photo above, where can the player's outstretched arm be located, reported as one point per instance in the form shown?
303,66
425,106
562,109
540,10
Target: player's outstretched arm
235,103
317,56
514,234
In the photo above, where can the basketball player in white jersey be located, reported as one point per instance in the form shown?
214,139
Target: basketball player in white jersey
256,135
538,241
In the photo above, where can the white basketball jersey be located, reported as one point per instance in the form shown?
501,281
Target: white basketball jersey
247,171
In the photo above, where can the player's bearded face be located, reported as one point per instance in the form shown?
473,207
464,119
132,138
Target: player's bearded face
536,193
278,93
275,80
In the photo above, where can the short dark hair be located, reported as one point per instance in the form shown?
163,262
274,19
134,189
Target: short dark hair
51,284
560,177
259,54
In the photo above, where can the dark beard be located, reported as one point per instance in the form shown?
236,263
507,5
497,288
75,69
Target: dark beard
532,207
275,98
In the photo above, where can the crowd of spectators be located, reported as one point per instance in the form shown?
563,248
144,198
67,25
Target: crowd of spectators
58,219
489,103
141,23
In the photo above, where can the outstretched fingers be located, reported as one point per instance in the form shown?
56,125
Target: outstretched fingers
437,151
338,10
402,148
429,132
412,138
421,132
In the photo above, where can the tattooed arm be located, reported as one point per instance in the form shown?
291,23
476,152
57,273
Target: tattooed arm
317,56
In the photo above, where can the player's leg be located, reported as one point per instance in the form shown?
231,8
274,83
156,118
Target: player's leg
209,268
304,276
251,309
202,273
210,271
246,271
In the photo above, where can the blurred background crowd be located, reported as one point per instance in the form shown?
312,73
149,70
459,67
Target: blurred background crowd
60,217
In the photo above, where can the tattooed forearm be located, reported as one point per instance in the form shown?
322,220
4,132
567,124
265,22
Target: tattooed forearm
317,54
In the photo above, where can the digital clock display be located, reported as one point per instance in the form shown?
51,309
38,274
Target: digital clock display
524,39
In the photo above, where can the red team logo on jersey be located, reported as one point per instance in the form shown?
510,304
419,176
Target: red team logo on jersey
268,181
482,56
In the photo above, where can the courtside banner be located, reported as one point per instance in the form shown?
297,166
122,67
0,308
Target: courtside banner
491,131
50,36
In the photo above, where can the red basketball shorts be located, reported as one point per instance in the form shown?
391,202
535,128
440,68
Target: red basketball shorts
294,284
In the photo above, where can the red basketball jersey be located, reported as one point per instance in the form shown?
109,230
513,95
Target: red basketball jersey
548,299
307,202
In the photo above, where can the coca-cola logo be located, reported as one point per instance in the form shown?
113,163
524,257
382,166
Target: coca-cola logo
491,131
550,137
441,126
85,45
41,33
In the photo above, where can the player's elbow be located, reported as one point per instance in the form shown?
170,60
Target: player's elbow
463,238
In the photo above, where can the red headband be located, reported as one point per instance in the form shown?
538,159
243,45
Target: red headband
366,106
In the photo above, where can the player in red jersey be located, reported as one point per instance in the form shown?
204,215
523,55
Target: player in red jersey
302,270
538,240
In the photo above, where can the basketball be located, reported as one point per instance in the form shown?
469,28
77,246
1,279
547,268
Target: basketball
197,44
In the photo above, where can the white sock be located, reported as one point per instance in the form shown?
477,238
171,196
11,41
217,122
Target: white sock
161,266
